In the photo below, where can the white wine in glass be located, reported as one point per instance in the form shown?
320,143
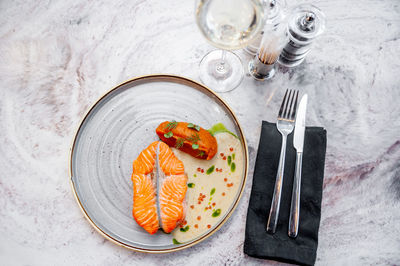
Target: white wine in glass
229,25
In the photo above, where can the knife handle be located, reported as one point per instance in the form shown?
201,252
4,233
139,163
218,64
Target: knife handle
295,205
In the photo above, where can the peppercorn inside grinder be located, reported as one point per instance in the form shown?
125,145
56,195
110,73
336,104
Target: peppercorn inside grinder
305,24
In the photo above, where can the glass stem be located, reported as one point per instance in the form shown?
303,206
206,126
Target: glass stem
221,65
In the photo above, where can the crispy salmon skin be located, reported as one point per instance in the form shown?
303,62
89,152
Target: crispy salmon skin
189,138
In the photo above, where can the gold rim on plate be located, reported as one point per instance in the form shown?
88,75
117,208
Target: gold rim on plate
184,81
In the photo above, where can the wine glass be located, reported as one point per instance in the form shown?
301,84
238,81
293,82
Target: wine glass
228,25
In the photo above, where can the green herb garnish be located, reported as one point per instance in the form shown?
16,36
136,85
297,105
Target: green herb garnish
168,135
184,229
220,128
212,192
176,242
194,138
191,185
195,175
210,170
195,146
216,213
179,143
196,127
200,154
229,160
233,167
171,125
233,156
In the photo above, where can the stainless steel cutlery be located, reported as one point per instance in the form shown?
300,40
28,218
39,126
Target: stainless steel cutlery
298,143
285,124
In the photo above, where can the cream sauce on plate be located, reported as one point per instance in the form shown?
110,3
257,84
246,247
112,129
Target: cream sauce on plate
212,187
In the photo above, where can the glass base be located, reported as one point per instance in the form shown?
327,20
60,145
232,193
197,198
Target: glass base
221,77
261,71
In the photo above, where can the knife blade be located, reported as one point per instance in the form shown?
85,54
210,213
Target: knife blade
300,125
298,143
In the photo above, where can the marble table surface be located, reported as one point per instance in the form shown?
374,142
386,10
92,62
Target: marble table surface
58,57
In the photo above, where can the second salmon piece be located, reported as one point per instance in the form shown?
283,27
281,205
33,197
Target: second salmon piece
188,138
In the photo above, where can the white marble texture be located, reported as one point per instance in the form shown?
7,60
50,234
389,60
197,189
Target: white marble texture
58,57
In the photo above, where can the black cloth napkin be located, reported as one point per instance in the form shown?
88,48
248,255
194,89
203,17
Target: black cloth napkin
279,246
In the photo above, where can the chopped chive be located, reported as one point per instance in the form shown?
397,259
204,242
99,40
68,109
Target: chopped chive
184,229
195,175
191,185
229,160
210,170
176,242
212,191
216,213
233,167
233,156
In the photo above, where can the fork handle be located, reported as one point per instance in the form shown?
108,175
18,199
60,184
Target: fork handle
276,199
295,205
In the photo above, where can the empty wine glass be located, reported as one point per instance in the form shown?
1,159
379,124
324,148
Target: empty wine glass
228,25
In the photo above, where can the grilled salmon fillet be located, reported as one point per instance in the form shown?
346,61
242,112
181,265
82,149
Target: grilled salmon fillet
193,140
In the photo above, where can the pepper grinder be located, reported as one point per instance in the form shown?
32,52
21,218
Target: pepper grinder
306,23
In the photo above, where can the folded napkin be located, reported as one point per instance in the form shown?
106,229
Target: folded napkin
279,246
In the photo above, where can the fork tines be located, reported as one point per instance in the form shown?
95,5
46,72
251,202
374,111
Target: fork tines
288,109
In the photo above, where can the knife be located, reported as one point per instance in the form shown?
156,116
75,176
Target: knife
298,143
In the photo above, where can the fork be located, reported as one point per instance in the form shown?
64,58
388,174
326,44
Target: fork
285,125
